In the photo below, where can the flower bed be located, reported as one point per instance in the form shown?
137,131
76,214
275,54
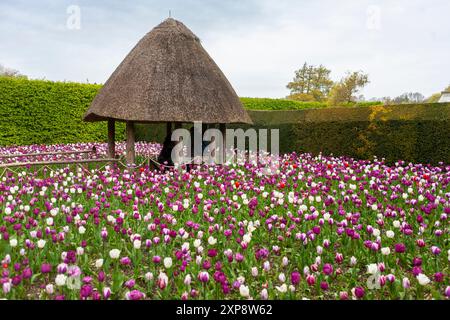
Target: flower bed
321,228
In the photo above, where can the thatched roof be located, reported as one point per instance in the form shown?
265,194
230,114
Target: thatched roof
168,77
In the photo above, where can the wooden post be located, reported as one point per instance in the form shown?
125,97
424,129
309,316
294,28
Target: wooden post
111,138
131,155
223,129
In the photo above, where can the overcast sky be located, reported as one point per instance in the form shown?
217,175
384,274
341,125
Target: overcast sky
404,45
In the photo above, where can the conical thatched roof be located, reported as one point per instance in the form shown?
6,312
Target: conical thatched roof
168,77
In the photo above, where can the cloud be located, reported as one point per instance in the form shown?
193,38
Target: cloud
258,44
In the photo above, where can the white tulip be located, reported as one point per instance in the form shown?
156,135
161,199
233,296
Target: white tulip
137,244
423,279
60,280
390,234
99,263
244,291
167,262
212,241
41,243
114,253
283,288
13,243
149,276
49,289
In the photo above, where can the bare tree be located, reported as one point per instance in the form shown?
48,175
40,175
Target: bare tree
9,72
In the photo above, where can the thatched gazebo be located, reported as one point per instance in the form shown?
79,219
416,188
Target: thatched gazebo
168,77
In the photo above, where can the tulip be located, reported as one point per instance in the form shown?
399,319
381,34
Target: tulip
46,268
327,269
114,253
265,295
61,280
324,285
400,248
311,280
447,292
85,291
49,289
244,291
134,295
423,279
203,276
358,292
106,293
343,295
295,278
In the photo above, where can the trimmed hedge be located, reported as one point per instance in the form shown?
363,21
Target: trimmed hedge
284,104
45,112
416,133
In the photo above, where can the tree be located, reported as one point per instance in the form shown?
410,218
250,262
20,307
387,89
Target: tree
12,73
310,83
433,98
346,89
409,97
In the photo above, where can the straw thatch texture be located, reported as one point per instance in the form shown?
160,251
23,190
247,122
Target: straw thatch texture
168,77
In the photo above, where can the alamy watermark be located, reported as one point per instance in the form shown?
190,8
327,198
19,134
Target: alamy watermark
73,21
231,146
373,21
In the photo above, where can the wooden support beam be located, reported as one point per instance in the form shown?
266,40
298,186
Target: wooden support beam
223,130
111,138
130,149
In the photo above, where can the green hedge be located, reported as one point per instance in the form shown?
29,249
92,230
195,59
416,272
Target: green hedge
45,112
417,133
284,104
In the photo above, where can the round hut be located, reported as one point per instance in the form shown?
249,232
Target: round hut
168,77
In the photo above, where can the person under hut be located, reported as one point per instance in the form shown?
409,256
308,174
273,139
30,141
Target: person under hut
195,155
165,156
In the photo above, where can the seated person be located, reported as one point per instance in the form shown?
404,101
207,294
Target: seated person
165,156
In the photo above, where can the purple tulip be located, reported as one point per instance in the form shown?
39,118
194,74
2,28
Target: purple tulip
125,261
327,269
46,268
85,291
295,278
27,273
130,283
324,285
400,248
359,292
135,295
310,279
101,276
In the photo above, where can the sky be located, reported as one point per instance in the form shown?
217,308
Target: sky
404,45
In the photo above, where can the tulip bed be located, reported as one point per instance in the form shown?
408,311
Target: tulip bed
319,228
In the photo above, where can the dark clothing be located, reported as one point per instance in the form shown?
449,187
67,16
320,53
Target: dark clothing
165,156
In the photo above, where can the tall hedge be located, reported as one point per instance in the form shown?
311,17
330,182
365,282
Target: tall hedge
45,112
417,133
